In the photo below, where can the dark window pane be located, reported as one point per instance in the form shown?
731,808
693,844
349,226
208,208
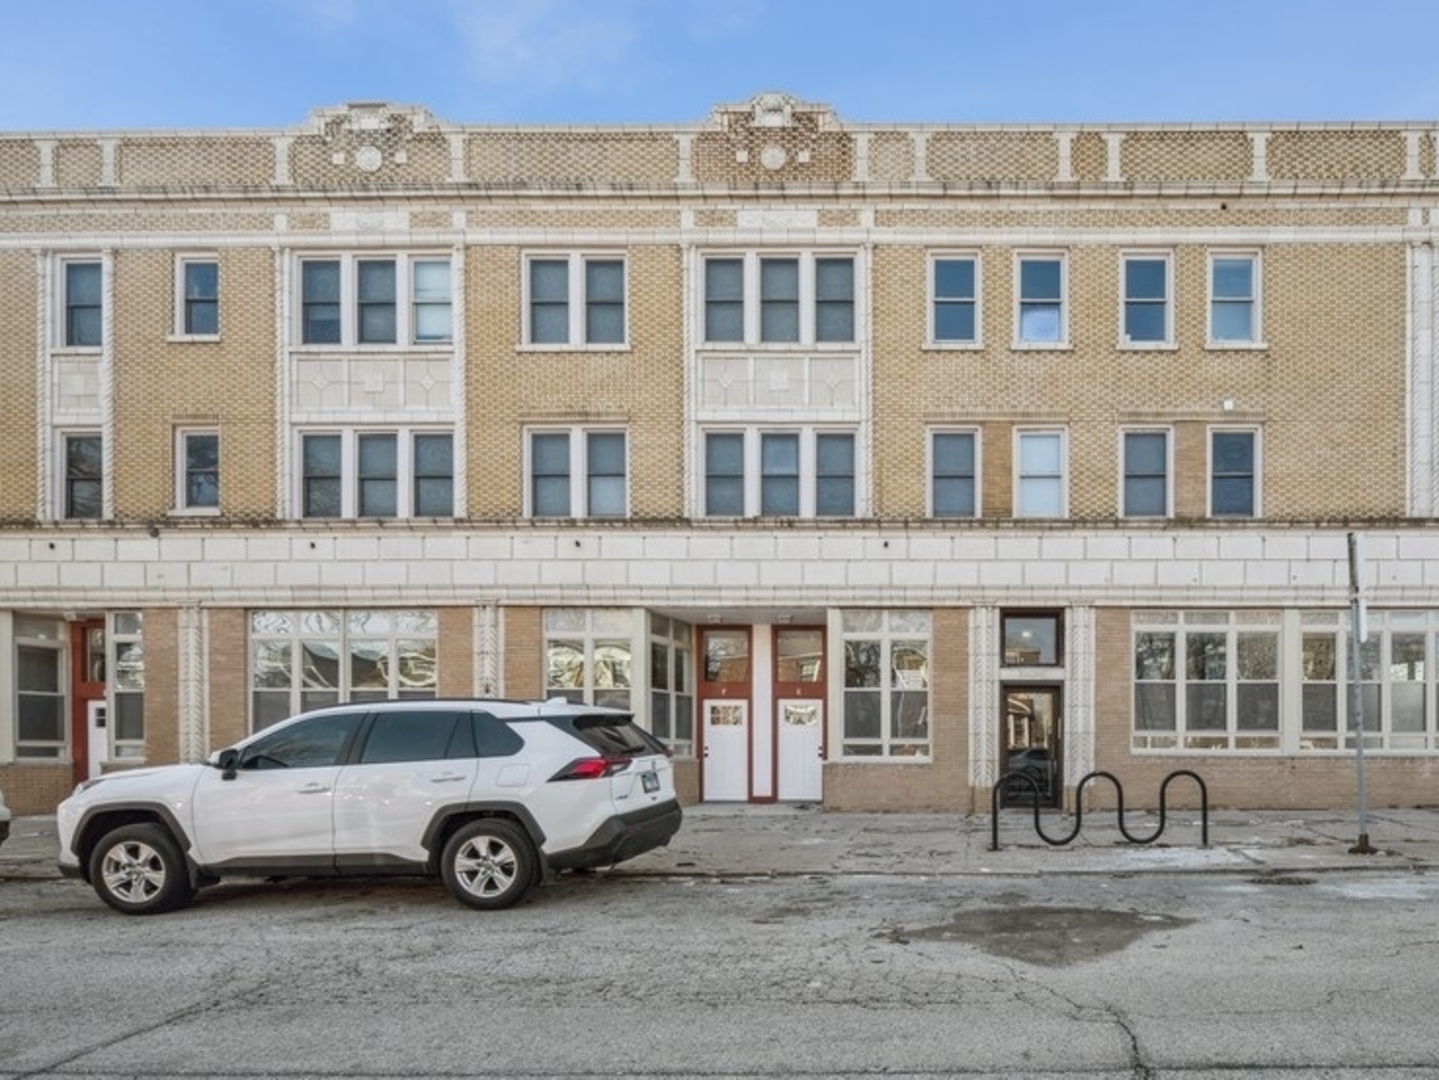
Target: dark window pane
550,470
549,301
417,736
779,299
321,455
724,300
834,483
724,475
1144,279
202,470
315,743
834,299
320,302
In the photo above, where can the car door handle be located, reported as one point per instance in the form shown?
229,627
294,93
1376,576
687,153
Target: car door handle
312,789
447,779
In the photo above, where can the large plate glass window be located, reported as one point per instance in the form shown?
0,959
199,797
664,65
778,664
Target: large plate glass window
588,656
672,702
886,690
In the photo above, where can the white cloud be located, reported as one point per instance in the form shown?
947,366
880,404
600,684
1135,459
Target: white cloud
546,44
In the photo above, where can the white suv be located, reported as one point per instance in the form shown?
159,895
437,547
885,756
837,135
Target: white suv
491,796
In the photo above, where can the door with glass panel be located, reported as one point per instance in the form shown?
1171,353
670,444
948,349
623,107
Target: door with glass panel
725,714
799,713
1030,743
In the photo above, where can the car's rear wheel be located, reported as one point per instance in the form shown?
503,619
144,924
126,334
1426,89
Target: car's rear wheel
488,864
138,869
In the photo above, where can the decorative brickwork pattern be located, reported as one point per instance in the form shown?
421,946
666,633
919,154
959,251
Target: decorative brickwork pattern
77,164
1167,156
1336,155
19,163
1019,156
182,161
18,332
773,140
588,218
1089,157
891,157
539,158
370,147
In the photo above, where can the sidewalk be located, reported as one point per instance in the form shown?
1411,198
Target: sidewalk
774,840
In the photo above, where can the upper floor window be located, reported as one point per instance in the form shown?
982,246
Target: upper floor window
1148,316
84,484
198,476
576,472
1233,472
575,300
954,309
1039,476
1041,309
954,474
779,299
379,474
779,473
1145,491
375,300
198,305
1233,298
83,304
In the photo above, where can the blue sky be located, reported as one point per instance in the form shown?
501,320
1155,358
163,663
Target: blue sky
101,64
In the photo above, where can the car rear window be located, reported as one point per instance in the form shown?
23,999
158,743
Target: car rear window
615,735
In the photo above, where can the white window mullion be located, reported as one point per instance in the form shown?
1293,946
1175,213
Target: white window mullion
349,474
752,472
808,300
576,271
751,298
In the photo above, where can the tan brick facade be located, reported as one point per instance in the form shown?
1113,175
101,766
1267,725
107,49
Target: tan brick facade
1337,388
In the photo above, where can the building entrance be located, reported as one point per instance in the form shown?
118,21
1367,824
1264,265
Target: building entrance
1031,741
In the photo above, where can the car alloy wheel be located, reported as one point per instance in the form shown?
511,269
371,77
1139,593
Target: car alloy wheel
489,864
139,870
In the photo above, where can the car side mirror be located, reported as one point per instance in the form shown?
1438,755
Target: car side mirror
229,761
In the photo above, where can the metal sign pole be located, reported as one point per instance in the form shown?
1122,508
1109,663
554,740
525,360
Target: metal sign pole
1358,634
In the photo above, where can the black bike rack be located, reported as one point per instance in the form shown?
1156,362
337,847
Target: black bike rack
1079,807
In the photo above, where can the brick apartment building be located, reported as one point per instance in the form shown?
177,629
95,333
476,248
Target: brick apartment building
863,462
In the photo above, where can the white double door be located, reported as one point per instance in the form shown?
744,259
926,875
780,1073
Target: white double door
783,761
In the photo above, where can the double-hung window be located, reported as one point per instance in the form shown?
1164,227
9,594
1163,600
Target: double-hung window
779,473
954,305
575,300
953,474
1041,309
797,299
197,306
1233,299
376,474
1233,473
197,476
1145,460
1148,290
1039,475
84,484
83,304
375,300
577,473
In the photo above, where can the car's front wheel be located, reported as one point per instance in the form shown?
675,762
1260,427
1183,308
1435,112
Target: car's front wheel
138,869
488,864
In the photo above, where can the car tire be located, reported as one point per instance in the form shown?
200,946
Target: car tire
138,869
488,864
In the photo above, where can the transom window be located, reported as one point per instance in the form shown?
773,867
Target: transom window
1148,317
1233,298
1233,473
954,474
378,474
577,473
779,299
1032,638
198,306
375,300
954,308
779,473
885,711
301,660
575,300
83,288
1041,308
1039,478
1146,490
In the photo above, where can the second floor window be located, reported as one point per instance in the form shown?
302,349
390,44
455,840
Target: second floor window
575,300
83,306
779,299
576,473
84,476
1039,476
756,473
1146,474
199,480
376,474
375,300
953,474
1232,474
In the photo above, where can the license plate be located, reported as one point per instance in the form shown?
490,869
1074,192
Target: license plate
650,782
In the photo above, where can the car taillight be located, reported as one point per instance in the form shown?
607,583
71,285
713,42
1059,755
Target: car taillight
592,768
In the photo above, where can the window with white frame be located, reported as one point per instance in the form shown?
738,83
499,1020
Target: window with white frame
954,474
127,685
758,472
1041,306
82,288
1233,298
40,689
1207,680
885,707
1148,299
197,475
83,480
1145,489
588,656
1233,473
672,702
197,304
575,300
364,300
1039,474
577,473
302,660
803,298
954,304
376,474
